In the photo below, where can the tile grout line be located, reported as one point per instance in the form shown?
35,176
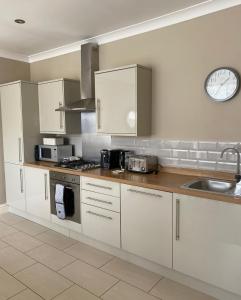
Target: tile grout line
109,289
62,291
27,287
16,294
149,292
77,259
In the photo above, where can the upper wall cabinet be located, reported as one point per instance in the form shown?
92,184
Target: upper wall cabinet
52,95
123,101
20,121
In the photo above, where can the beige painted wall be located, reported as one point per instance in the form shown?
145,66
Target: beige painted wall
10,70
64,66
181,56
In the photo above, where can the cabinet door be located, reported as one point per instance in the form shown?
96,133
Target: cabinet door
14,180
51,97
11,109
116,93
146,223
101,224
207,241
37,192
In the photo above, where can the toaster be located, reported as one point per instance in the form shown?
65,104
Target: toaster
143,163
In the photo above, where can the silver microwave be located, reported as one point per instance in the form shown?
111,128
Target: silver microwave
53,153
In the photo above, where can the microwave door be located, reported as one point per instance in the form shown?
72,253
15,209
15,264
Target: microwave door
46,153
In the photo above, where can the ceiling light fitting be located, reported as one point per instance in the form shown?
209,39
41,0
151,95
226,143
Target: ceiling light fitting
19,21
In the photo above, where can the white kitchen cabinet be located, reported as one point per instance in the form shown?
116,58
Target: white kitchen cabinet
101,186
15,186
20,121
123,101
37,192
52,95
101,200
146,223
101,224
207,241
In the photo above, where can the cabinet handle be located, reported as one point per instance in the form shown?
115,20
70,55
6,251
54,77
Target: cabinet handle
98,114
177,220
21,180
45,186
20,150
98,215
144,193
61,117
98,200
99,186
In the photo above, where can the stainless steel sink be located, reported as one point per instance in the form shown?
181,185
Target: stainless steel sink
211,185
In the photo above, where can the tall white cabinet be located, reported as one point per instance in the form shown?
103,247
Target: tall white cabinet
52,95
20,130
207,241
123,101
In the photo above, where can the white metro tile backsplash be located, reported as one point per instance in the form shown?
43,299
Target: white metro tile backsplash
185,154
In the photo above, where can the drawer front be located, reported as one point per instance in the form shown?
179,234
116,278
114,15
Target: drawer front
101,186
101,224
101,200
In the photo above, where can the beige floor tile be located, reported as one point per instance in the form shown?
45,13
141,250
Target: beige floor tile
9,286
3,245
51,257
12,260
124,291
10,219
89,254
6,230
43,281
94,280
22,241
26,295
30,228
132,274
170,290
76,293
56,239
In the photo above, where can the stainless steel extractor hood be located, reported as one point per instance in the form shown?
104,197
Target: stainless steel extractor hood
89,64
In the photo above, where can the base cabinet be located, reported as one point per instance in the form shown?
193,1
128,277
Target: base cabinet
101,224
37,192
146,223
207,241
14,181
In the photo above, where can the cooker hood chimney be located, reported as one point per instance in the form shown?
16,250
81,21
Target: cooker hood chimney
89,64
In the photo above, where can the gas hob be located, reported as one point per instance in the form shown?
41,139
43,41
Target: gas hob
77,163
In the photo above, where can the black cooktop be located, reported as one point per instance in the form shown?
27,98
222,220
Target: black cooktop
77,163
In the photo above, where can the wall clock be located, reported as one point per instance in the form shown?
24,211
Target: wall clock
222,84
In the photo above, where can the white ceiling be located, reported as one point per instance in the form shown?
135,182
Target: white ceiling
54,23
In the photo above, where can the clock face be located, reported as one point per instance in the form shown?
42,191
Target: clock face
222,84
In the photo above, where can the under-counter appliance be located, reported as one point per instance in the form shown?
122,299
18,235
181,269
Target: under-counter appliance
53,141
143,163
53,153
110,159
124,158
71,182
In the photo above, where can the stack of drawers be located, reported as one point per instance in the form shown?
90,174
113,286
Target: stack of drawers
100,210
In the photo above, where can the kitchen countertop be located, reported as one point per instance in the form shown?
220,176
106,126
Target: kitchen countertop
167,179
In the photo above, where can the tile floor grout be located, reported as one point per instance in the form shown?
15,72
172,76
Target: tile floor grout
57,271
27,287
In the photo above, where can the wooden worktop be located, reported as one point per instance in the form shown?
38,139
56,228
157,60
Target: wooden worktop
167,179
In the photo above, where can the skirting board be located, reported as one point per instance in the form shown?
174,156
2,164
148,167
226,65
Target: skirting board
165,272
3,208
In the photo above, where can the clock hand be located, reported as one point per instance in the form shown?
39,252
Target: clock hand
227,79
